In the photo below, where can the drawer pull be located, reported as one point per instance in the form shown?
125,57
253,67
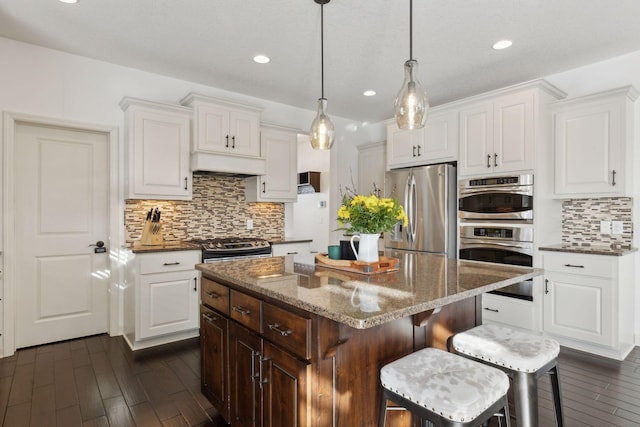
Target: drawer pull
212,295
574,266
171,263
275,327
209,318
492,309
546,286
242,311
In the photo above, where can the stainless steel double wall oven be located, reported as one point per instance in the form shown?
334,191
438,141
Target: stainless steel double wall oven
496,224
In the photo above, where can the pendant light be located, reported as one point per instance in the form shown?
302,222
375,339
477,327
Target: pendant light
412,104
322,133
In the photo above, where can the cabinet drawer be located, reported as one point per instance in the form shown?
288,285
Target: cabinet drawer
168,261
287,330
245,310
586,265
507,311
215,295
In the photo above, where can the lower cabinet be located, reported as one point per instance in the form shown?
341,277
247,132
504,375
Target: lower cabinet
588,302
161,298
214,342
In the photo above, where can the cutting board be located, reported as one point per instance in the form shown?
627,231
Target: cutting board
384,264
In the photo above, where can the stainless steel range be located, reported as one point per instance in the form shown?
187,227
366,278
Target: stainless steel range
229,248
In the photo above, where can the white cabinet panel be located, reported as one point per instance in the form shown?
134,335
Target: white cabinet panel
508,311
371,168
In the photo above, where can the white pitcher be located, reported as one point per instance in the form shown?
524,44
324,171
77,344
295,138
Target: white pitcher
367,247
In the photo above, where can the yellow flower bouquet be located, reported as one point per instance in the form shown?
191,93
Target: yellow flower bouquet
370,214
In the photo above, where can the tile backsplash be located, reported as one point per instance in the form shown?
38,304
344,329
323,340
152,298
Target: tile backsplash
581,221
218,209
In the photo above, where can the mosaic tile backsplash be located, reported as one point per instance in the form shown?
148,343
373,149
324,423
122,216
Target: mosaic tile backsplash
218,209
581,221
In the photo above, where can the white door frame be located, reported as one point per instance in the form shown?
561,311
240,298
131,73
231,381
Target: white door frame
116,210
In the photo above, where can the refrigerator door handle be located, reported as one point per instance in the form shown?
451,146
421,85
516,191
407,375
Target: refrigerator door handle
407,206
414,207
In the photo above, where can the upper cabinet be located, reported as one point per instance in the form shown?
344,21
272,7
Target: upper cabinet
498,135
157,150
593,138
436,142
279,184
226,136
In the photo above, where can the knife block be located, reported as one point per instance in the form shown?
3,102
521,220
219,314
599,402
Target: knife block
152,234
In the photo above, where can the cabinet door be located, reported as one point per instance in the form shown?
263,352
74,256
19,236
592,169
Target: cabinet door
214,356
159,155
440,137
168,303
281,151
513,132
476,140
286,389
244,133
579,307
212,129
246,375
589,150
402,146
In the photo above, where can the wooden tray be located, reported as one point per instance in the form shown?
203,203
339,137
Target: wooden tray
384,264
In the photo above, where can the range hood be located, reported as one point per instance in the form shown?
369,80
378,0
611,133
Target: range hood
228,165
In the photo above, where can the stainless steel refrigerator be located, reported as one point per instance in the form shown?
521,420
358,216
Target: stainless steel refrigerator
428,195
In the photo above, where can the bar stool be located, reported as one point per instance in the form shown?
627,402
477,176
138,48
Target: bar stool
523,356
444,389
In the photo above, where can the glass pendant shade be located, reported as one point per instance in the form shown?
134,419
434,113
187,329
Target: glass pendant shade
412,104
322,133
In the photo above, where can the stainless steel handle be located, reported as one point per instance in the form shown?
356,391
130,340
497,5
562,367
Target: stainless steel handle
254,372
233,142
212,295
414,209
186,181
492,309
574,265
276,328
613,175
195,284
209,318
263,379
495,160
526,190
488,160
242,311
546,286
227,143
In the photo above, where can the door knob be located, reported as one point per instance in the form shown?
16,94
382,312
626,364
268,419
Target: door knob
99,244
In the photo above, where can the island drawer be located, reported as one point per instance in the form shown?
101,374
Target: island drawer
288,330
585,265
508,311
215,295
245,310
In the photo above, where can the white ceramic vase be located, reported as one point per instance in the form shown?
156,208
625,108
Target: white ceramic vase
367,247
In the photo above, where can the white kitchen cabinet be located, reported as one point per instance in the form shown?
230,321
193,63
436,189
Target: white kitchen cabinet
435,143
498,135
508,311
290,248
157,150
161,297
226,136
588,302
371,168
280,183
593,139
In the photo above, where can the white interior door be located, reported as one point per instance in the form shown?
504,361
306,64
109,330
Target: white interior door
61,207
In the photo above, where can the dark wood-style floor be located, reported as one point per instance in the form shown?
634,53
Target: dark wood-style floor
98,381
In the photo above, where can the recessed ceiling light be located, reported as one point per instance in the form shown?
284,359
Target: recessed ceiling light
369,93
261,59
69,1
502,44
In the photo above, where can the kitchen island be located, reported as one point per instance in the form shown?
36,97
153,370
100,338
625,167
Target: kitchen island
289,342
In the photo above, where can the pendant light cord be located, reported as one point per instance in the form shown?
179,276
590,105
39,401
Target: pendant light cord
411,30
322,47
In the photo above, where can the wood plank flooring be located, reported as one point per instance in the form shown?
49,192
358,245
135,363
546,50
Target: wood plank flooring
98,381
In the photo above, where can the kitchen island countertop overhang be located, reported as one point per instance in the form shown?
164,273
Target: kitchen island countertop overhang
423,282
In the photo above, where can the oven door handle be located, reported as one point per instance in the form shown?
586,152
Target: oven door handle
524,248
527,191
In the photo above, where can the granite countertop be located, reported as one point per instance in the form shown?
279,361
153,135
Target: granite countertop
166,247
423,282
289,240
589,250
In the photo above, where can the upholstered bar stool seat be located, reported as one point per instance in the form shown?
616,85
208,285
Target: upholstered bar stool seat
444,389
523,356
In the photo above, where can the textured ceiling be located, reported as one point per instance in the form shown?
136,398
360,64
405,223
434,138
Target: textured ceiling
366,43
